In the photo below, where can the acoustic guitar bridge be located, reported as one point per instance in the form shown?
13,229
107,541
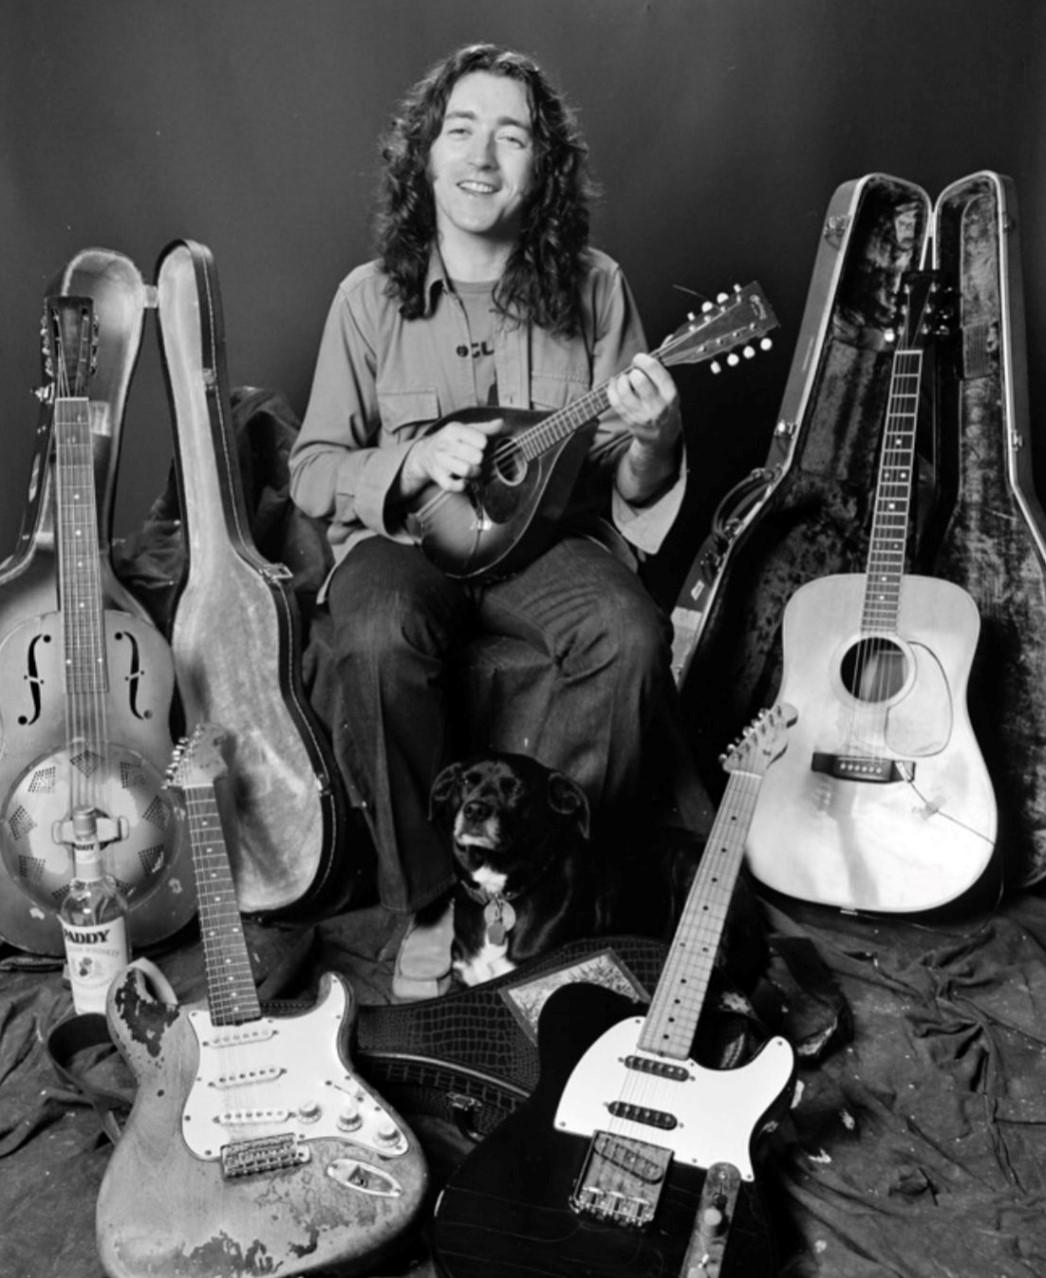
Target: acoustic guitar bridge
859,767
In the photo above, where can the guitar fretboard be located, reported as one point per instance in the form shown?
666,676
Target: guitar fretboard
675,1009
231,994
893,496
79,573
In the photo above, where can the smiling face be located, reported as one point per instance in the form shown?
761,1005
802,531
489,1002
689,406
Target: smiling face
481,166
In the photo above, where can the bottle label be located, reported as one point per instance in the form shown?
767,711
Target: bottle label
95,953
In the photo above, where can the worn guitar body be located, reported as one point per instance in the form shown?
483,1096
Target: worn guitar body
507,1210
252,1148
919,833
169,1207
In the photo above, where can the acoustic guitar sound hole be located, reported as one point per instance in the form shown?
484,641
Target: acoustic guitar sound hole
874,670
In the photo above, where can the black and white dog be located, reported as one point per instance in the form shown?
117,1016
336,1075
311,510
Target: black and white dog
526,883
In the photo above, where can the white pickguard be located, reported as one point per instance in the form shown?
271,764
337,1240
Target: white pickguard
715,1113
278,1077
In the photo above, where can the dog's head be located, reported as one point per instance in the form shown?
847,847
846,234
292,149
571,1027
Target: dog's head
507,813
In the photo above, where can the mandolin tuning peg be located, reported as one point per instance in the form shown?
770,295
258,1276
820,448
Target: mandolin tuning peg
765,344
715,366
748,352
706,307
733,359
722,297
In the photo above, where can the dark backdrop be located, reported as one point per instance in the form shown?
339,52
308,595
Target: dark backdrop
719,130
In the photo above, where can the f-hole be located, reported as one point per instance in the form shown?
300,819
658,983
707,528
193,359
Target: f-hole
874,669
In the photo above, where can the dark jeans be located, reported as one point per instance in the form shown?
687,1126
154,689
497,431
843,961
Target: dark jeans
612,723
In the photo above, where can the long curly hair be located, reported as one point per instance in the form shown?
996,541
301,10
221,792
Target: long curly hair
540,282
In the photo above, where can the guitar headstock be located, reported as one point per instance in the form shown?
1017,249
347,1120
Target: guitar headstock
920,315
735,319
69,330
197,759
762,742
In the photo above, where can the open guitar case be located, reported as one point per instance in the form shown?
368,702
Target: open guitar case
218,566
807,512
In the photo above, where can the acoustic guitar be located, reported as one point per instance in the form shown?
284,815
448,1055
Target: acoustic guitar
626,1145
85,693
884,802
509,513
252,1147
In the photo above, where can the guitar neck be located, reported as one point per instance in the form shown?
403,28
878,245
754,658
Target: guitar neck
560,425
893,496
676,1007
231,994
79,571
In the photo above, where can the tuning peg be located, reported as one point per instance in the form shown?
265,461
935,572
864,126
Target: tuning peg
733,359
722,297
748,352
706,307
765,344
715,366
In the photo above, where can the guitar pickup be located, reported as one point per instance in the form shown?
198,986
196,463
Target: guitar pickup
859,767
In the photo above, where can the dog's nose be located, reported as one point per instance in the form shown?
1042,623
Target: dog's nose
477,810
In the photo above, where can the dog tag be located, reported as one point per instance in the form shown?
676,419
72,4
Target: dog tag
499,917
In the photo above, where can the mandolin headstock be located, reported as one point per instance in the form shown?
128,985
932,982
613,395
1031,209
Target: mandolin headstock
69,330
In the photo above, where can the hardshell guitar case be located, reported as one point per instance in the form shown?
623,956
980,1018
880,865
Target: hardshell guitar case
236,627
976,520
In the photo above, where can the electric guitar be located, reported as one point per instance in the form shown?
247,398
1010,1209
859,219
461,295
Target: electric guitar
509,513
884,802
252,1148
626,1145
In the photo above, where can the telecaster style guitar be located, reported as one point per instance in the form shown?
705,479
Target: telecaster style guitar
252,1148
85,700
884,802
629,1157
509,513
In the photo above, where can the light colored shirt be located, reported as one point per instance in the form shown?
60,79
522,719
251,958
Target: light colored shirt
381,380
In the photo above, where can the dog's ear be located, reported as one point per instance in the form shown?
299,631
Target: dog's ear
566,797
445,790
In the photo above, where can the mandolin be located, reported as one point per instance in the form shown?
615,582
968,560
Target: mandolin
509,513
252,1148
629,1157
85,697
883,802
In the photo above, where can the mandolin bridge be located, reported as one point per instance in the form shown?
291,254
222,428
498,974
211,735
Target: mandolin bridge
267,1154
621,1180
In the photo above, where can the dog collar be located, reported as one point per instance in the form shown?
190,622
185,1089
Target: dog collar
498,912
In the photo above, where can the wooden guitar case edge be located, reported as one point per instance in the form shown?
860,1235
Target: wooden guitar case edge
806,513
236,630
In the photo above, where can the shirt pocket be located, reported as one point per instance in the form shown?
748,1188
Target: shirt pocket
405,414
554,390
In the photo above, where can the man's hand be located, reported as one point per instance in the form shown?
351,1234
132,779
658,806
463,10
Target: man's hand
646,399
449,457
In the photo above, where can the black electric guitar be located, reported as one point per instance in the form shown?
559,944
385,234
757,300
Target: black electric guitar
252,1148
884,801
630,1158
509,513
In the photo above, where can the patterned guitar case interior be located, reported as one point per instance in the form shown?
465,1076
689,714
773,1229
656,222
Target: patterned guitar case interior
807,512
